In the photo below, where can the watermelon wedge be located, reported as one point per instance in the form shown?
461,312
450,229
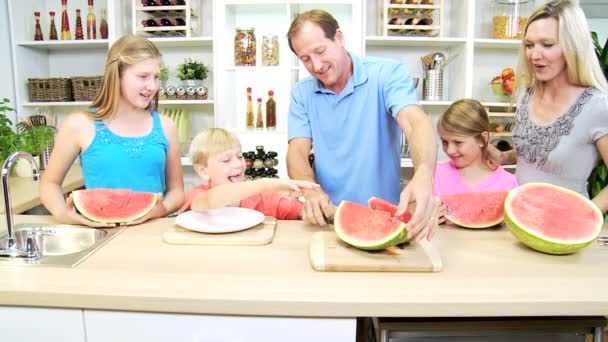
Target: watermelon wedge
475,209
366,228
378,203
113,205
552,219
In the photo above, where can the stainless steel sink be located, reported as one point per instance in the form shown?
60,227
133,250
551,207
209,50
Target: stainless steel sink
57,245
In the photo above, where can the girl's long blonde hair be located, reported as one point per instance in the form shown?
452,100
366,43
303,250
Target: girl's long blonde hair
125,52
467,117
575,40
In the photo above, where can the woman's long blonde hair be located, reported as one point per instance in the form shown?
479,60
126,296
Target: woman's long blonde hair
575,40
467,117
125,52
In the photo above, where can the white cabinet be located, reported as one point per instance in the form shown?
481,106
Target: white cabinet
270,17
155,327
26,324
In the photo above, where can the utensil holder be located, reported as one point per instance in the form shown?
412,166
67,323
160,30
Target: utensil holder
45,156
432,87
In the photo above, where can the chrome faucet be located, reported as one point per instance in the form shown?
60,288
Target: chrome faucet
11,249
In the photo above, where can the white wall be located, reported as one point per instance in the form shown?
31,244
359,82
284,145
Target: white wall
6,62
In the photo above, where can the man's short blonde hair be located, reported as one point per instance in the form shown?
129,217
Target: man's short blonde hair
210,142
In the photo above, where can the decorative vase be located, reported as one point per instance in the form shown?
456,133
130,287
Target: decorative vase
23,168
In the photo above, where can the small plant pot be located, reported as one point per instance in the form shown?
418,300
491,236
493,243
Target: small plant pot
23,168
192,83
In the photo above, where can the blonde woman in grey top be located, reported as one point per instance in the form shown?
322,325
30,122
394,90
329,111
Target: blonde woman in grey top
561,124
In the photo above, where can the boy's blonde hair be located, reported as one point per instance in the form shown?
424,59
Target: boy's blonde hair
467,117
210,142
125,52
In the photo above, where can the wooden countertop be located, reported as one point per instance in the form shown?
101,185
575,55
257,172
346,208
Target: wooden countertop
25,192
486,273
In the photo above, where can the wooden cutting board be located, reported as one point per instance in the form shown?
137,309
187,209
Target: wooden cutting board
328,253
261,234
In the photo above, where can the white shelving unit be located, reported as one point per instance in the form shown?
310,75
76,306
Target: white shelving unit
189,13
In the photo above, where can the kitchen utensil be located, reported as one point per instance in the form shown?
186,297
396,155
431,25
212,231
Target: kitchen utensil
328,253
261,234
432,85
426,61
438,60
221,220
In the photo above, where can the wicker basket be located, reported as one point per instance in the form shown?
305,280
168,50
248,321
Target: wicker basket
50,89
85,88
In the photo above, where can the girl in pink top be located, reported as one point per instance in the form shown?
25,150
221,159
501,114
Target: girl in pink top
464,132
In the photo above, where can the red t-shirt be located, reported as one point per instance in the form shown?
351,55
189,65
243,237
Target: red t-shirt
268,203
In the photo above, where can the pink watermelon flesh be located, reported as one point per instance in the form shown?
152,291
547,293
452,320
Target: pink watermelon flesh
542,209
378,203
113,205
475,209
367,228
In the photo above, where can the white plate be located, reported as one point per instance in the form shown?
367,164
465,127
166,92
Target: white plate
221,220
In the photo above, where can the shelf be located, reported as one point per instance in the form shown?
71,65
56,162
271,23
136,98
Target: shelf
57,104
497,43
436,103
501,115
65,44
185,102
407,162
510,166
256,68
413,6
501,134
241,131
498,104
182,41
164,28
161,8
413,41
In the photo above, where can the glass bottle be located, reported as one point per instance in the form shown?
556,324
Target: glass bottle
271,111
259,122
65,22
91,22
52,29
249,121
103,26
38,34
79,35
510,17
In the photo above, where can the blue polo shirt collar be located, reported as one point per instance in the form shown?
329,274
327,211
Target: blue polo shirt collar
358,77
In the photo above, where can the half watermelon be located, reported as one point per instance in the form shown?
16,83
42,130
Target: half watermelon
475,209
114,205
552,219
366,228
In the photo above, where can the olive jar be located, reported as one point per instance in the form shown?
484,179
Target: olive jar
510,17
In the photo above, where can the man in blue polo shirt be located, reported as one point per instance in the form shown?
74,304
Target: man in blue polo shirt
353,111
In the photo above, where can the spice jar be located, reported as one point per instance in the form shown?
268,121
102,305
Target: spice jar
271,160
201,93
180,92
270,50
170,90
244,47
258,163
162,94
510,17
191,92
248,159
249,174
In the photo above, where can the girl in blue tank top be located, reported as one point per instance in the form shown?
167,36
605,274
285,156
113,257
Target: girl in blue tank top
122,141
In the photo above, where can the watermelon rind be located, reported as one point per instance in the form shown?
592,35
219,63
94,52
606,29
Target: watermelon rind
399,234
462,224
79,202
546,244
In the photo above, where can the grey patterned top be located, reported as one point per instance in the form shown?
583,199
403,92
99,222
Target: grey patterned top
562,152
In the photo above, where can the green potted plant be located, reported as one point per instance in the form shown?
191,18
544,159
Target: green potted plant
191,71
33,140
164,74
599,176
9,139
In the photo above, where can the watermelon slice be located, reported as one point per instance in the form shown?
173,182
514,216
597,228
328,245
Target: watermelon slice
378,203
113,205
475,209
366,228
552,219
